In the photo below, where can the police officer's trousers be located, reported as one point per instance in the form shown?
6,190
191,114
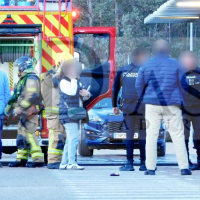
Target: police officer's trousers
57,138
134,118
27,142
191,115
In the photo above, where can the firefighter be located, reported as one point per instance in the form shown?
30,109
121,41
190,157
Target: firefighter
50,95
26,100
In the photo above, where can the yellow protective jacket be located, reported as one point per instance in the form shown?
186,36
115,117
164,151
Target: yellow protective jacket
50,94
30,95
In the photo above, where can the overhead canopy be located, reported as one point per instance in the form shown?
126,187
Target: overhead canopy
175,11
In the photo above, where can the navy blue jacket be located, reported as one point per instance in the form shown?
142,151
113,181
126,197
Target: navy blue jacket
161,82
125,78
193,81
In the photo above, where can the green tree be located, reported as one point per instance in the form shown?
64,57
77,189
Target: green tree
128,18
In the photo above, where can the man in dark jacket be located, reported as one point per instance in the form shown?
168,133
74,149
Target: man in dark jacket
159,85
133,110
191,108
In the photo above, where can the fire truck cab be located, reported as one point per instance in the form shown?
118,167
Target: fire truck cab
43,29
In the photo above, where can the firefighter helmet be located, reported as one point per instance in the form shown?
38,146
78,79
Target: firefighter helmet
62,57
24,63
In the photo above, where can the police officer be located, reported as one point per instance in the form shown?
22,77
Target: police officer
27,94
50,95
191,108
133,110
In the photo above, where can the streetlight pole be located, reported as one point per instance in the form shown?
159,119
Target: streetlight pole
191,36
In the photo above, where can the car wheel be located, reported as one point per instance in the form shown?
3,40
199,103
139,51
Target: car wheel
9,150
161,151
82,148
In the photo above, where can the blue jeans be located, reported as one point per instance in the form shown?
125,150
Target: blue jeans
71,143
1,128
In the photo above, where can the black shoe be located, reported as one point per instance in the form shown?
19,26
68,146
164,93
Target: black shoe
192,166
127,167
142,166
35,164
150,172
53,165
21,163
198,166
186,172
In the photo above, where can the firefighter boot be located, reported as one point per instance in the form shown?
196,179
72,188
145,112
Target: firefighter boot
128,166
21,163
35,164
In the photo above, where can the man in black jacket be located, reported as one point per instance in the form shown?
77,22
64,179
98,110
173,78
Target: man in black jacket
191,108
133,110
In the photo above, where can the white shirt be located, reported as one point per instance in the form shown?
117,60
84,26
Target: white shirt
69,88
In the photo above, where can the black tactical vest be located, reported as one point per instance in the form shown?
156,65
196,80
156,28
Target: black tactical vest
193,80
128,79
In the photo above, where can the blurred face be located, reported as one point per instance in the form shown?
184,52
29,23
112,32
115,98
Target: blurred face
71,70
161,47
188,62
141,59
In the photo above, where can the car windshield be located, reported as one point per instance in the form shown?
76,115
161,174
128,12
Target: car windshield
105,103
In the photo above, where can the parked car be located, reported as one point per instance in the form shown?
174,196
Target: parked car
106,130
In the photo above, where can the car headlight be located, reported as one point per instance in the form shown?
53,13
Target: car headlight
95,118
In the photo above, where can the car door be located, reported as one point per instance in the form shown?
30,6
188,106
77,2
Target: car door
95,48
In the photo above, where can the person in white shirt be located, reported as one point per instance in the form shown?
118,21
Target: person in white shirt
72,96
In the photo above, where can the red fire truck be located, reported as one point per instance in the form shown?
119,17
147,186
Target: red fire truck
43,29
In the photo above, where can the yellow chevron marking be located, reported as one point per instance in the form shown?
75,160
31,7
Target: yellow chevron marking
49,33
60,44
2,17
66,18
18,19
49,50
46,64
55,22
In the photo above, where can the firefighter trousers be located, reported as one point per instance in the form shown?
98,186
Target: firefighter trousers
27,142
57,137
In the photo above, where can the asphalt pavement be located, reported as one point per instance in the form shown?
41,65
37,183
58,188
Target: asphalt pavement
118,157
95,183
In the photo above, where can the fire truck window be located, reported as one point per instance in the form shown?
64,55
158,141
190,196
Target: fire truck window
93,49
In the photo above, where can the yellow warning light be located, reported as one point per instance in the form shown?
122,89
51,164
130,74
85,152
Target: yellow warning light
74,13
